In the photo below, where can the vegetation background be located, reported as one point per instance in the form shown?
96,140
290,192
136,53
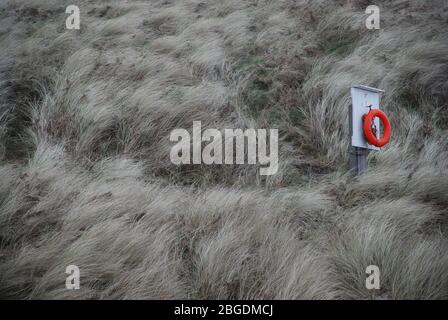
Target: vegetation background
85,117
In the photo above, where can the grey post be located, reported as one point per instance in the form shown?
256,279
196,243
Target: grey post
357,155
358,160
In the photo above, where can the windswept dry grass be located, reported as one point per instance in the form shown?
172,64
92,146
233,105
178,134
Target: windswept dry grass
85,175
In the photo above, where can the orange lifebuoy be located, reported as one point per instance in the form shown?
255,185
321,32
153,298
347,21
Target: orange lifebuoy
370,134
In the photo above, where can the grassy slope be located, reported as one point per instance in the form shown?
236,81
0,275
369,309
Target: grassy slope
85,175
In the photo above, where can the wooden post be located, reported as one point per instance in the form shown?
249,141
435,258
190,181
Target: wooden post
357,155
358,160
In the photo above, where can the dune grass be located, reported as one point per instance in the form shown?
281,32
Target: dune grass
86,179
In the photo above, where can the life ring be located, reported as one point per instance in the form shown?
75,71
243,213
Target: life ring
370,130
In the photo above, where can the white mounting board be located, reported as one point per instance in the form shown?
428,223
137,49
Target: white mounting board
362,97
